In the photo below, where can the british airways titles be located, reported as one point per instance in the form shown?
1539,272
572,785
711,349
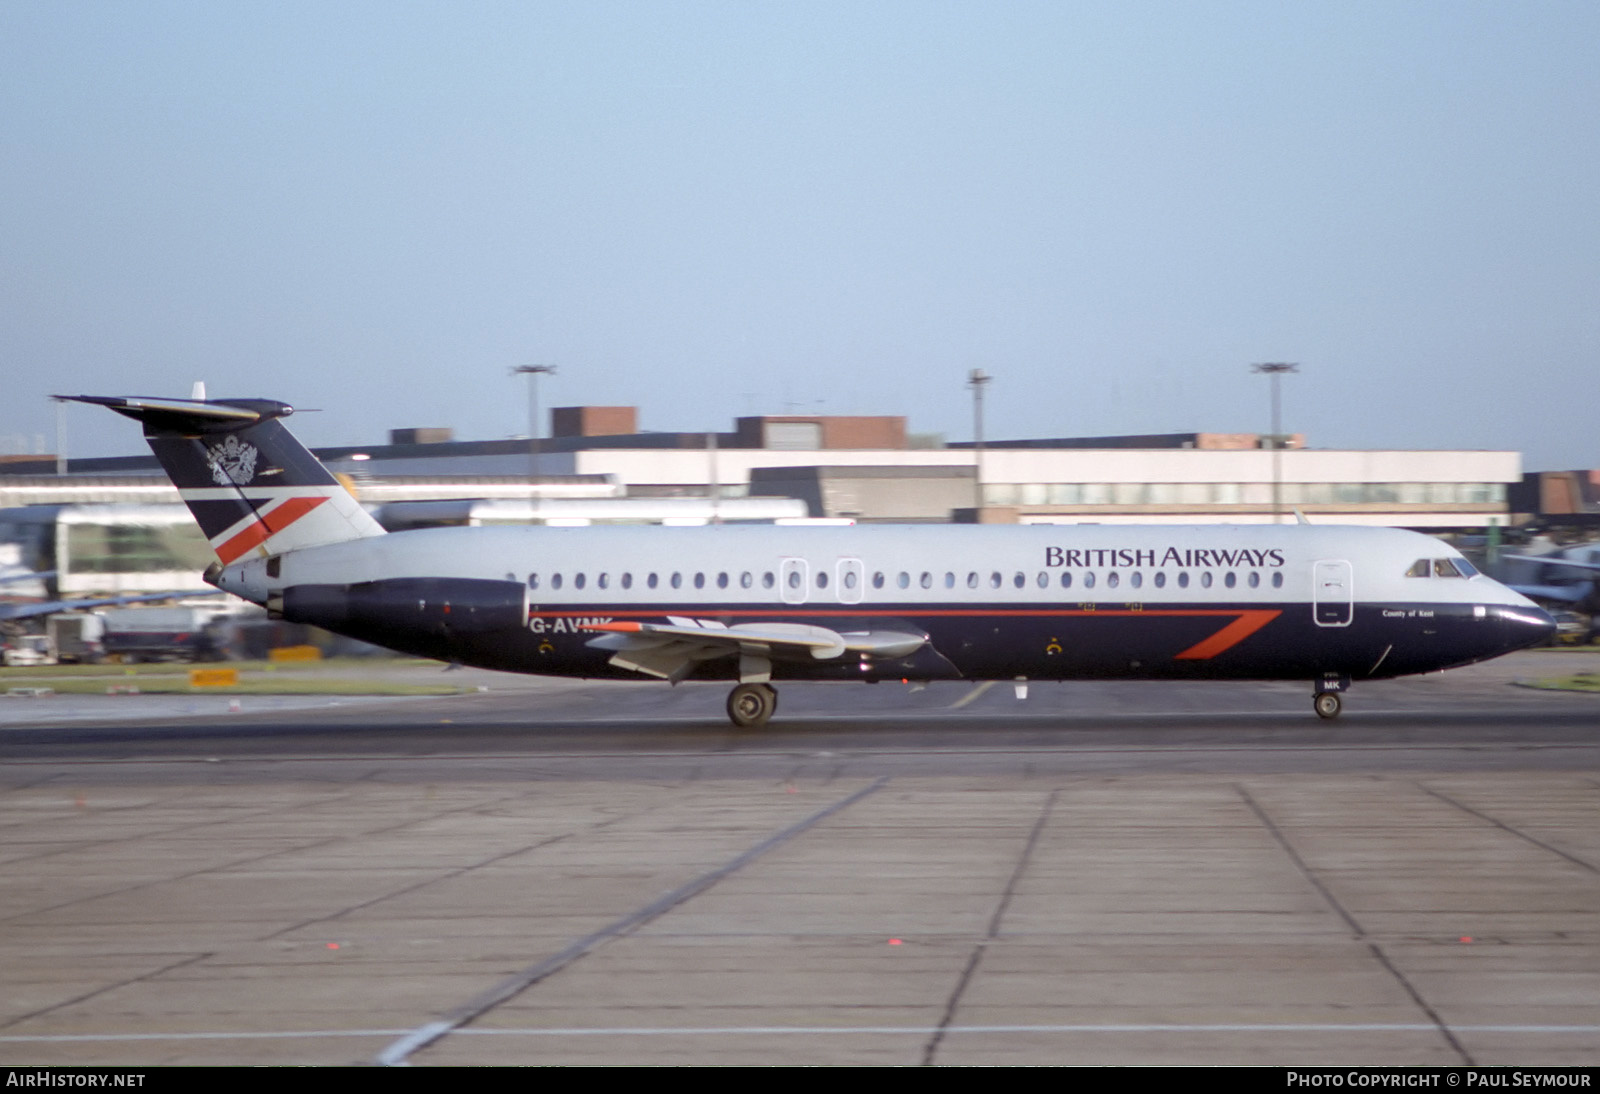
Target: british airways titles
1129,558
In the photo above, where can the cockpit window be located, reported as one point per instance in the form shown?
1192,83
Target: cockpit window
1419,568
1467,569
1444,567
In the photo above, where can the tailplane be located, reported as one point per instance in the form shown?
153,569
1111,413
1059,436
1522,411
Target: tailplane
252,487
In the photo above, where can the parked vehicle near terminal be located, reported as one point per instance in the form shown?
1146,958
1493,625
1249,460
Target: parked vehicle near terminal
27,650
165,634
78,637
1572,628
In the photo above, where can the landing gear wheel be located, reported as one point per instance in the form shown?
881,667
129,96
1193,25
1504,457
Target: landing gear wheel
751,705
1327,704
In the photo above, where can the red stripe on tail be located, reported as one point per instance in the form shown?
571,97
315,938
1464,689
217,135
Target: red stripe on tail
268,524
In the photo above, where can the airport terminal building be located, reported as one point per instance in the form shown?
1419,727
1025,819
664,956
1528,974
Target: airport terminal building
113,525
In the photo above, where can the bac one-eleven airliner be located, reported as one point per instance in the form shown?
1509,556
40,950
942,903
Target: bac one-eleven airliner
753,604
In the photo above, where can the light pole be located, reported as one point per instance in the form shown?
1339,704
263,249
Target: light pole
976,379
533,372
1275,370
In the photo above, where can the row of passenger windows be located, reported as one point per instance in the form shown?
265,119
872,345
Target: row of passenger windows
904,580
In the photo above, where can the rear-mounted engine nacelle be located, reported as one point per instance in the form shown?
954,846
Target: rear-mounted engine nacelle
428,605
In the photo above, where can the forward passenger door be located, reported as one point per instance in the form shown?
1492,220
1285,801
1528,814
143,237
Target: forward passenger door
1332,592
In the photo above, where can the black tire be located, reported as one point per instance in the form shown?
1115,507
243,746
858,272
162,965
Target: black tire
1327,704
750,706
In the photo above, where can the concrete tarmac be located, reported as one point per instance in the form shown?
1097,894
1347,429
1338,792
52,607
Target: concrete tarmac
556,872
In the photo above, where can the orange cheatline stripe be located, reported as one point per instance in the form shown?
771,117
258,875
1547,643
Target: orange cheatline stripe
1248,623
621,628
268,524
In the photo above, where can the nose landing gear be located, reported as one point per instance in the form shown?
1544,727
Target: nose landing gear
1326,701
752,705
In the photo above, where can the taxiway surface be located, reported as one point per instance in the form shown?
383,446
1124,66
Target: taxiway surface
558,872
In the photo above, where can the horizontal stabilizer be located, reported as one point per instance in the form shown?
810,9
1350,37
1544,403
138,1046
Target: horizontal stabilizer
175,413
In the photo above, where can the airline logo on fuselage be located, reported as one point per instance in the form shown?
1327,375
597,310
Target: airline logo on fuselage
1132,558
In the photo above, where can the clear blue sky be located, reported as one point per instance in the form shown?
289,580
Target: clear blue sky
714,209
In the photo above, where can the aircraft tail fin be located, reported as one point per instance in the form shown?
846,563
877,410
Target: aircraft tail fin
252,487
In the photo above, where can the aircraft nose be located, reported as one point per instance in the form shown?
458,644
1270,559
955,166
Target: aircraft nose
1524,627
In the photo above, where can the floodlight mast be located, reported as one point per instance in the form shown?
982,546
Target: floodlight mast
976,380
1275,370
533,372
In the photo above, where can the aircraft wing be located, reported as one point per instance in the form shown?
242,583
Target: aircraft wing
9,612
1557,594
670,650
27,575
1548,560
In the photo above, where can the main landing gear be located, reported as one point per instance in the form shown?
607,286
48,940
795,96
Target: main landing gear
751,705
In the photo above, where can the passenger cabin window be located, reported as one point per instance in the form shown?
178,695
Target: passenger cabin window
555,581
533,581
